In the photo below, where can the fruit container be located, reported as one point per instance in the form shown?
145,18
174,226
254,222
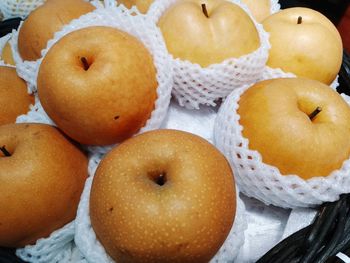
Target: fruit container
294,241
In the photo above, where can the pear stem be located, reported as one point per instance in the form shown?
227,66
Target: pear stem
314,113
300,20
85,63
4,151
205,11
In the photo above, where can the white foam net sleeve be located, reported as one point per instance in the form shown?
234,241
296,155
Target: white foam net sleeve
18,8
139,27
265,182
85,237
334,85
93,251
56,248
25,69
275,6
195,85
235,240
36,114
22,8
133,10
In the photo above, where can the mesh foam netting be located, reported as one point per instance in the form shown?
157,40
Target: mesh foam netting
25,69
133,10
93,251
195,86
22,8
18,8
58,247
137,26
36,114
265,182
275,6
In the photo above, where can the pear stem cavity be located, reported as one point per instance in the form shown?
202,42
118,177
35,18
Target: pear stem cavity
157,177
205,11
85,63
314,113
4,151
300,20
161,179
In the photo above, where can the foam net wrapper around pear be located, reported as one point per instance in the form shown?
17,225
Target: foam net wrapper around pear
137,26
195,86
56,248
20,8
275,6
134,11
93,251
265,182
27,70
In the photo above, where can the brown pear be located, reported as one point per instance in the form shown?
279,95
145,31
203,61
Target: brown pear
7,55
42,176
14,97
44,21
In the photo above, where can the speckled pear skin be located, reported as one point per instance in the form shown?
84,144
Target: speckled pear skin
185,216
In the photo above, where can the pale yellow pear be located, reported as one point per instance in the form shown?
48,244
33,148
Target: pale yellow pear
280,121
224,31
304,42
